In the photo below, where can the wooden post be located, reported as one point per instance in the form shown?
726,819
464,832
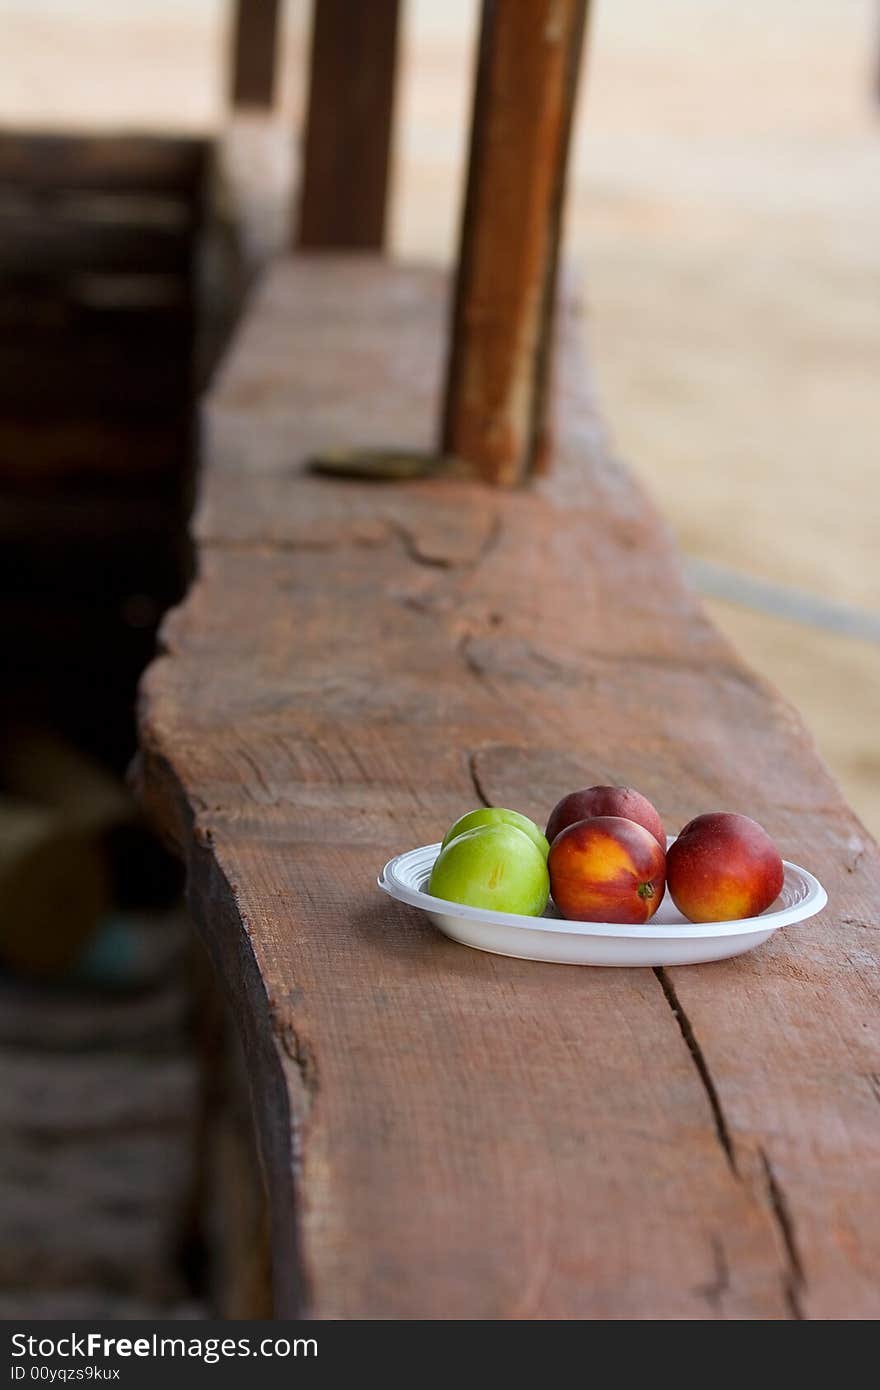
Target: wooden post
254,52
348,128
527,73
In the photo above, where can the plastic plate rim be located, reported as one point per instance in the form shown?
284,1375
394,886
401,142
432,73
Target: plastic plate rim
812,902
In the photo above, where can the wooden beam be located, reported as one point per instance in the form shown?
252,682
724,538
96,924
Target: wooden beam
254,52
528,66
348,130
448,1134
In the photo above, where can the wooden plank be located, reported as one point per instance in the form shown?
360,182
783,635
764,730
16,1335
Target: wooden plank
95,1162
103,162
496,392
450,1134
98,1095
254,52
156,1020
348,128
38,305
112,233
40,453
115,380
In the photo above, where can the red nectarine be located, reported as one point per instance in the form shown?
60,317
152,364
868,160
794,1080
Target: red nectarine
606,801
723,867
606,869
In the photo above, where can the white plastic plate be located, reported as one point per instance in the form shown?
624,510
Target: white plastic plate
668,939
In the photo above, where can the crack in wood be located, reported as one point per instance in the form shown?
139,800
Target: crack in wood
793,1275
303,1057
475,779
420,603
794,1280
702,1067
717,1287
490,540
853,863
268,795
468,656
416,552
496,662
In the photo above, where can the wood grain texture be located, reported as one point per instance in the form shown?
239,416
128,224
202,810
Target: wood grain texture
502,329
348,127
449,1134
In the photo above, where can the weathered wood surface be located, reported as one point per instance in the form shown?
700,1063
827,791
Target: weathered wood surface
348,126
445,1133
499,366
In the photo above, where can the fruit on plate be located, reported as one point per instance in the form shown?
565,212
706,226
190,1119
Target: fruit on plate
723,867
493,866
496,815
607,869
606,801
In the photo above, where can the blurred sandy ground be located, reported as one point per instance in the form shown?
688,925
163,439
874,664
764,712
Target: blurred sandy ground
725,205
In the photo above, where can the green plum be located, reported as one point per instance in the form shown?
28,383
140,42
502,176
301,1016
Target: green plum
493,866
496,815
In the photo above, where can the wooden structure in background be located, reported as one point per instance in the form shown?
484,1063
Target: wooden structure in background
98,246
447,1134
496,394
254,53
348,128
98,1106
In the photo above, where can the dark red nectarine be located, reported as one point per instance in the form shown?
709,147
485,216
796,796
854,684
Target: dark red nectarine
606,869
606,801
723,867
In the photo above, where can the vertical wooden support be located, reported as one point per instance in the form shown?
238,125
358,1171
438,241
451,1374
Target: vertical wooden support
348,129
527,73
254,52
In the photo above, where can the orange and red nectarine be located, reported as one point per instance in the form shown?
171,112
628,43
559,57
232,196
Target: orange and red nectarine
606,869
